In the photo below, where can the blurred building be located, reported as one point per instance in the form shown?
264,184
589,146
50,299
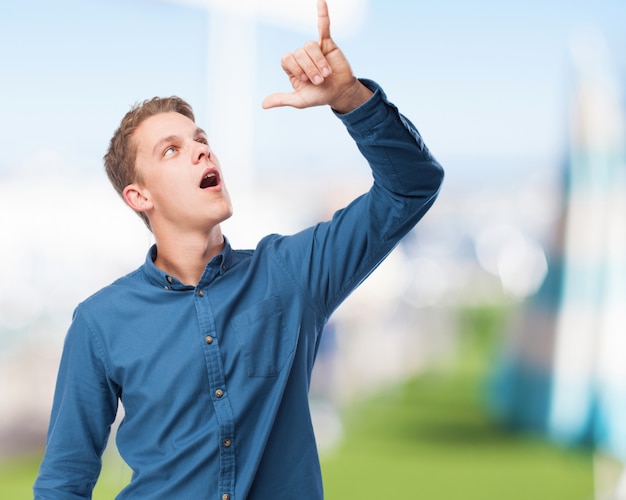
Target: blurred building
562,369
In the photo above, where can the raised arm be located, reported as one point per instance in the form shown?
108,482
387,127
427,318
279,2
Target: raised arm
320,74
330,259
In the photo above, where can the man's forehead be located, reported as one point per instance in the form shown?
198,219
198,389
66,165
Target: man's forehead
167,122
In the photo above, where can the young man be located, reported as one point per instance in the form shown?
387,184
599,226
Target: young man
209,349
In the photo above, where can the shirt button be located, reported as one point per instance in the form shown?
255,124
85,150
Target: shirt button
201,293
227,442
219,393
225,496
208,339
169,279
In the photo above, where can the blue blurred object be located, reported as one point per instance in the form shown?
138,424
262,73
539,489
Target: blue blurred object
562,368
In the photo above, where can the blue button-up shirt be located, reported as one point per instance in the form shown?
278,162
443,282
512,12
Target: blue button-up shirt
214,378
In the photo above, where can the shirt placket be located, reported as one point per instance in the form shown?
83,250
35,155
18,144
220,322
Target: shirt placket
219,395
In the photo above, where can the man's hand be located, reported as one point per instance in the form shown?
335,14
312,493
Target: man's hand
320,74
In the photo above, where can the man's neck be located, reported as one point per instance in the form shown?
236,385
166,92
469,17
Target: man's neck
186,256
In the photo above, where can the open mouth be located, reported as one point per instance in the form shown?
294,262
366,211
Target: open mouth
209,180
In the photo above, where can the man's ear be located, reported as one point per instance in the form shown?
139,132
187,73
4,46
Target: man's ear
137,197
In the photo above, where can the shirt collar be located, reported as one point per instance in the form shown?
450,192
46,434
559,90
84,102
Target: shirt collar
217,266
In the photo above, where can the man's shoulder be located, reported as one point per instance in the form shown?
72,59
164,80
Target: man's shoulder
115,291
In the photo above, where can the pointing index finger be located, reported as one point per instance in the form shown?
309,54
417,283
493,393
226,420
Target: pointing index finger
323,20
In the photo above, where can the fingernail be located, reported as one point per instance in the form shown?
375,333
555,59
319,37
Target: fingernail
317,79
325,71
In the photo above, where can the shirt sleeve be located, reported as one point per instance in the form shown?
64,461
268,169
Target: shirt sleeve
331,259
84,407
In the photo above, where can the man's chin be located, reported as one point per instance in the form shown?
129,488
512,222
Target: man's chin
230,213
226,215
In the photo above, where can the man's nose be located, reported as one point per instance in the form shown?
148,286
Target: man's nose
202,152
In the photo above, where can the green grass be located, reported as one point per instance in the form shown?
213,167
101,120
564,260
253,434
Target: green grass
429,438
17,476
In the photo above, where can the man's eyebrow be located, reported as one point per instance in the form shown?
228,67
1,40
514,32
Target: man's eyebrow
162,142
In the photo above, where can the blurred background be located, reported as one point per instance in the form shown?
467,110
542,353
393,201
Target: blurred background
483,360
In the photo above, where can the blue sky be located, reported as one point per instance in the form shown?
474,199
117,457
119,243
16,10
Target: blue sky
485,81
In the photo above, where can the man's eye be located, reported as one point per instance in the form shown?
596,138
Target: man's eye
169,151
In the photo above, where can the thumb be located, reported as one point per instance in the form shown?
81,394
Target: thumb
277,100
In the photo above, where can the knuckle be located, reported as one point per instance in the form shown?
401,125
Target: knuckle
310,46
299,53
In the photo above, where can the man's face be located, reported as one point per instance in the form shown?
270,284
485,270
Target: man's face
181,176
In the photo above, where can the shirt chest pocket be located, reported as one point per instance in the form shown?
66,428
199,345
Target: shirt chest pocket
263,338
